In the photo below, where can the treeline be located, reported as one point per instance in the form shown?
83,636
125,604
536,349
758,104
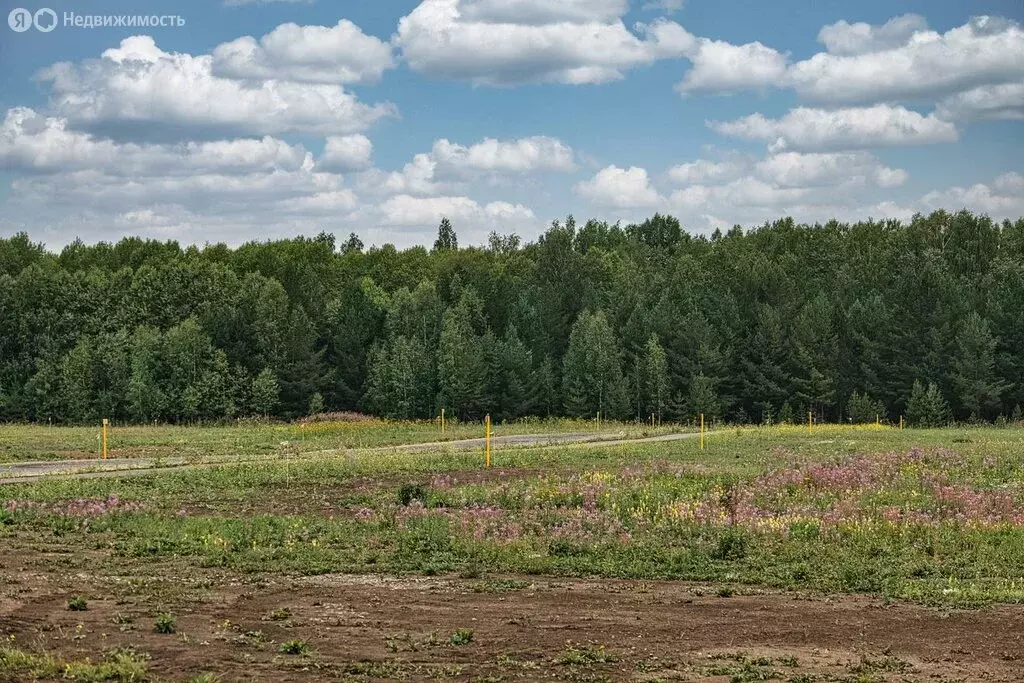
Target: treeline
924,319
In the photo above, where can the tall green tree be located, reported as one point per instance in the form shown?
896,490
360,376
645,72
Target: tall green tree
655,378
446,237
592,371
265,392
974,369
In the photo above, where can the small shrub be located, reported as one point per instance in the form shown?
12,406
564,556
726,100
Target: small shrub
585,654
464,636
78,604
410,492
204,678
731,546
725,592
294,647
282,614
165,623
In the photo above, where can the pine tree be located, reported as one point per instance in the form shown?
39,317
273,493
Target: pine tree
813,356
703,398
862,409
927,407
514,393
766,378
316,404
974,371
446,238
547,393
461,365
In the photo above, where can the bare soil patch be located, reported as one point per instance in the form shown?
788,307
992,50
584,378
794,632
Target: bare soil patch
523,628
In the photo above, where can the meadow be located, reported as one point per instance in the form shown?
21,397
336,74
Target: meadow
929,518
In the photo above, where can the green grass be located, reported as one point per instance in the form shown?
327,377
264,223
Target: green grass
653,511
37,442
122,666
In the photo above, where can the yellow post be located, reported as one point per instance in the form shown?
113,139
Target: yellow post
810,421
901,422
878,422
599,420
702,431
487,439
442,420
105,422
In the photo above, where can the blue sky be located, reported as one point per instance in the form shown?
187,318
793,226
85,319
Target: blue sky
266,119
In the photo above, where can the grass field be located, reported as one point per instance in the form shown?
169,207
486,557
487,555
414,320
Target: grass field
907,517
38,442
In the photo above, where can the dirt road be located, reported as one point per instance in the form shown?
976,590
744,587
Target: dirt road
13,473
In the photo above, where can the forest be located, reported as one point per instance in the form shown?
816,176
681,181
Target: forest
848,321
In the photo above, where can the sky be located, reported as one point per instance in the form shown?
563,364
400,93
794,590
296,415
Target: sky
238,120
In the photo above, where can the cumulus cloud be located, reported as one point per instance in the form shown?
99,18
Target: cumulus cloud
524,155
32,142
1003,198
722,67
844,38
991,102
620,188
346,153
807,129
409,211
704,171
138,83
793,169
898,61
315,54
492,42
905,62
448,166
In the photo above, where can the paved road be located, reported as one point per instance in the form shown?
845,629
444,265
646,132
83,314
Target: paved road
20,472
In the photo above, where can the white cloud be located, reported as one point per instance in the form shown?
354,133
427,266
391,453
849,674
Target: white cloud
409,211
925,64
137,83
524,155
808,129
992,102
719,66
620,188
793,169
449,166
346,153
703,171
416,177
316,54
30,141
1010,184
491,42
1004,198
844,38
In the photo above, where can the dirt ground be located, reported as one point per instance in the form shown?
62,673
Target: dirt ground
387,628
